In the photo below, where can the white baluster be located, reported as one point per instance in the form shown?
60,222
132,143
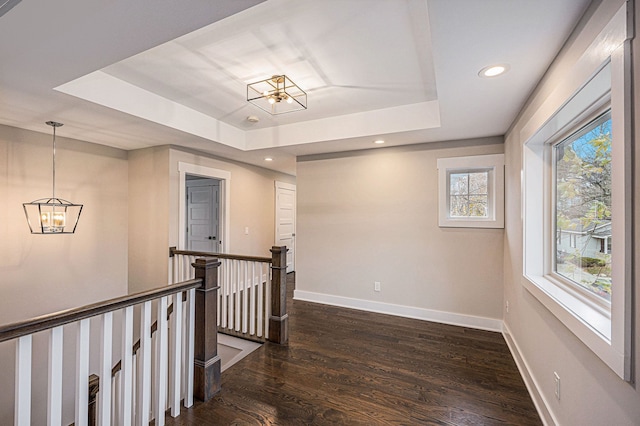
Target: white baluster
183,348
82,373
191,320
230,300
260,308
223,292
54,406
126,373
154,379
220,292
252,301
175,269
267,303
176,361
245,298
22,411
134,387
106,346
237,287
144,356
161,362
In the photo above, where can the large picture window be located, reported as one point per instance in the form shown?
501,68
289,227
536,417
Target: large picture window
582,189
576,207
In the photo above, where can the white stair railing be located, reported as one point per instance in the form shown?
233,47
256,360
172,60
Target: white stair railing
244,297
136,389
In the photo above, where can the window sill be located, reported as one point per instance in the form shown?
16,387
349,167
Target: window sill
590,324
470,223
571,308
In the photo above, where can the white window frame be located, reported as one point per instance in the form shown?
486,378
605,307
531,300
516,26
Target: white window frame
605,71
588,297
494,165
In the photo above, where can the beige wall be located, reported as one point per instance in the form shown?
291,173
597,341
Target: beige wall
44,273
155,201
591,393
252,201
41,274
148,218
373,216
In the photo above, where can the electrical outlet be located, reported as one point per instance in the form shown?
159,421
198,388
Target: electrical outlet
507,306
376,286
557,380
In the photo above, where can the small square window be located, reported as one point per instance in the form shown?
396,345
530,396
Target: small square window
469,194
471,191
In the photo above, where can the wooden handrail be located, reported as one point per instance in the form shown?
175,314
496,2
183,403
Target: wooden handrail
45,322
173,251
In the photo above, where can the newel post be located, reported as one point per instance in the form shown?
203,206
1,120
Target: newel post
206,371
279,319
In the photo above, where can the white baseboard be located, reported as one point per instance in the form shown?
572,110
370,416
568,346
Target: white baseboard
547,417
481,323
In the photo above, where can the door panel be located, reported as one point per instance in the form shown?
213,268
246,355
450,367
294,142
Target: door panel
202,224
286,220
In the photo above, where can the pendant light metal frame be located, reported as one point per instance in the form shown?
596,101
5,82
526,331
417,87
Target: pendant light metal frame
277,95
52,216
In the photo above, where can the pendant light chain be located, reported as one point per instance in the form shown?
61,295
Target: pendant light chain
54,124
54,163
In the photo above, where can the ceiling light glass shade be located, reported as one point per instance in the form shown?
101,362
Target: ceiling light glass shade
277,95
52,215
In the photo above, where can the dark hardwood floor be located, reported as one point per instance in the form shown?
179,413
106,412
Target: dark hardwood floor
348,367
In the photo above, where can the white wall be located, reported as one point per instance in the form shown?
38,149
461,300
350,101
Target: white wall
591,393
373,216
42,274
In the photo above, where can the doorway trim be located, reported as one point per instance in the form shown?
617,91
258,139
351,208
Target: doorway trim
224,177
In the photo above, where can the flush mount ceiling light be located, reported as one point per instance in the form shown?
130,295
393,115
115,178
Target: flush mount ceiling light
494,70
378,142
277,95
52,215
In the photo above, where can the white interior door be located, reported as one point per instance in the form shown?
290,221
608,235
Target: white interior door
203,215
286,221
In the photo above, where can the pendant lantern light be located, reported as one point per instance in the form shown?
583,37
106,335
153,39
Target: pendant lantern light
52,215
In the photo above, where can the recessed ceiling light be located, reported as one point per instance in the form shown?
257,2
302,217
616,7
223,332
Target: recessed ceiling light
378,142
268,159
494,70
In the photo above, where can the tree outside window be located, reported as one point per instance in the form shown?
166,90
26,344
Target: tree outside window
469,194
583,207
